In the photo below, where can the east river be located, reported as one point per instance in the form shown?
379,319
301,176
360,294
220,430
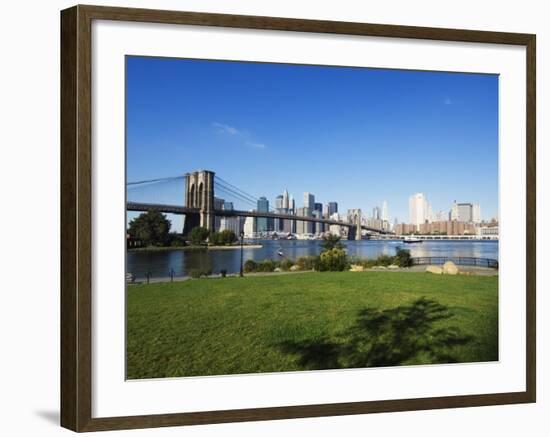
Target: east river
161,263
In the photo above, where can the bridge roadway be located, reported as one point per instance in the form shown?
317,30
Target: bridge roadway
182,210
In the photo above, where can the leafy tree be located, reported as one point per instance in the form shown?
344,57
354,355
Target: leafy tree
403,258
331,241
198,235
223,238
333,260
152,227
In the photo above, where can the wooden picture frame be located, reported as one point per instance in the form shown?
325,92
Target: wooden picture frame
76,218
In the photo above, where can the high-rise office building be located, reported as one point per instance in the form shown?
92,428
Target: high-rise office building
292,205
476,213
286,203
465,212
332,208
262,222
279,202
309,201
376,213
230,223
453,214
385,215
418,209
303,227
249,227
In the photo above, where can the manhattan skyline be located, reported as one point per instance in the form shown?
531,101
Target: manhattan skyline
356,136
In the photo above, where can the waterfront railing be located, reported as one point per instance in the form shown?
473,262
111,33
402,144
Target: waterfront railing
458,260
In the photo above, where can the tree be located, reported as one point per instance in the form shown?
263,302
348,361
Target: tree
152,227
331,241
198,235
223,238
403,258
333,260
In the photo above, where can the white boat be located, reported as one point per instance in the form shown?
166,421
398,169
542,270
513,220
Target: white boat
412,240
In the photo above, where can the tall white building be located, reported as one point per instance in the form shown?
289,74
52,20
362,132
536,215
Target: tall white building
385,212
285,199
335,229
249,227
453,215
476,213
418,209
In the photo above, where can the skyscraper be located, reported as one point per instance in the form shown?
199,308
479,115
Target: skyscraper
418,209
309,201
453,214
332,208
279,202
286,204
292,205
476,213
376,213
261,222
385,213
465,212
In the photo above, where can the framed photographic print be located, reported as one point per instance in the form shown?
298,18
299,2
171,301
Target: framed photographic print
268,218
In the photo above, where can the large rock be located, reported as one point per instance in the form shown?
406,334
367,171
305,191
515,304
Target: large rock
356,268
435,270
450,268
295,268
393,267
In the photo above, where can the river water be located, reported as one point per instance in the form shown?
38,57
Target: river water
160,263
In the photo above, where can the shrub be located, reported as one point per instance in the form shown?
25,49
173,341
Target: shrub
177,240
403,258
195,273
286,264
267,265
198,235
384,260
307,262
223,272
331,241
199,273
250,266
334,260
223,238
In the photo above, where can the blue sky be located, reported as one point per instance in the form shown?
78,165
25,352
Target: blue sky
357,136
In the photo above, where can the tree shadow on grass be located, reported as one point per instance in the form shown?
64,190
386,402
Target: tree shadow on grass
389,337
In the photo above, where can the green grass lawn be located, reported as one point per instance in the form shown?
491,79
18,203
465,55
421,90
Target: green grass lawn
309,321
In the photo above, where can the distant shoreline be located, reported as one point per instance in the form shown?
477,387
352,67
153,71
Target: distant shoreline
191,248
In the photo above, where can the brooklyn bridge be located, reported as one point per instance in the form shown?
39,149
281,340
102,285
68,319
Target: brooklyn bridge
199,207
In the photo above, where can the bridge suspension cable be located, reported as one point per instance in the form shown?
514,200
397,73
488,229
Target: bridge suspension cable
153,181
231,189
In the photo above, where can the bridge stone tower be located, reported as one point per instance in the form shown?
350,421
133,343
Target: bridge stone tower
354,216
199,194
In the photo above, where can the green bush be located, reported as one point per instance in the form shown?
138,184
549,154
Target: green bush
176,240
194,273
384,260
199,273
286,264
198,235
250,266
403,258
267,265
223,238
333,260
307,262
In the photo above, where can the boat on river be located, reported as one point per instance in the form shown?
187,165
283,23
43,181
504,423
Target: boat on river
410,240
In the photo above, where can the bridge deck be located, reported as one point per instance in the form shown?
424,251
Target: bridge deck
174,209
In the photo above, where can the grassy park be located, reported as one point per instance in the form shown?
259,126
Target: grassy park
308,321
